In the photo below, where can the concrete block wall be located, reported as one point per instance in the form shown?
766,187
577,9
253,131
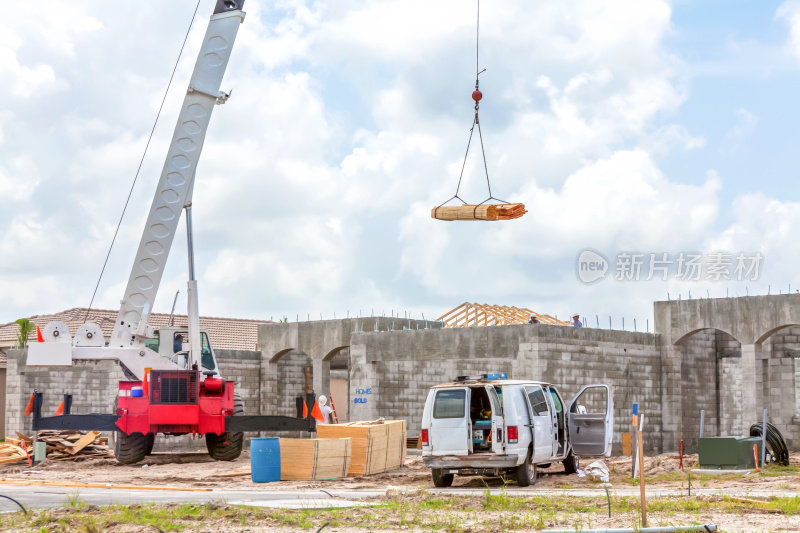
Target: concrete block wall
698,385
730,396
780,393
291,382
391,372
630,362
404,384
93,386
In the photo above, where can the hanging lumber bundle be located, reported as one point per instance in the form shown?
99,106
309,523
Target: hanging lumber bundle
377,446
312,459
69,445
479,212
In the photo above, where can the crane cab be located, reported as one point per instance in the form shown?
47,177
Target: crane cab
171,342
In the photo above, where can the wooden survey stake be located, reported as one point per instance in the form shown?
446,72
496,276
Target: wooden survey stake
642,495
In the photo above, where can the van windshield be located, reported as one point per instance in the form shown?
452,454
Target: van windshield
450,403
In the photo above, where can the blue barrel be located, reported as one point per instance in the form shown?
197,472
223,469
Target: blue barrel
265,459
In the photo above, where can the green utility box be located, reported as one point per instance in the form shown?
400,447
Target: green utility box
728,453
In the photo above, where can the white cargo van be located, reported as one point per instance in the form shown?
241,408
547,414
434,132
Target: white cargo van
488,425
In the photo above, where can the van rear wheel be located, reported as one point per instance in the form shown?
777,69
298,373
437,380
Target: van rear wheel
440,479
526,472
571,463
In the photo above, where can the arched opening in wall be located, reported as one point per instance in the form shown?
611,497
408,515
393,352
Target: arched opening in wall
777,379
339,393
294,378
711,382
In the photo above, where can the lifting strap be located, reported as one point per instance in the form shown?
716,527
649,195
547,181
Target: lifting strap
477,211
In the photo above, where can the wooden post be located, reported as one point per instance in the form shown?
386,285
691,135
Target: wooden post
642,496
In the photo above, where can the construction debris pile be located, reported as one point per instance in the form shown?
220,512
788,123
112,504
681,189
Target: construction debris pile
60,446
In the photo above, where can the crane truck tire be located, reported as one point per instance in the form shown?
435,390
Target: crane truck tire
129,449
151,440
228,446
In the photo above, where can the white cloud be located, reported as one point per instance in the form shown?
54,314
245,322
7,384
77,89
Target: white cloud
348,122
790,11
746,122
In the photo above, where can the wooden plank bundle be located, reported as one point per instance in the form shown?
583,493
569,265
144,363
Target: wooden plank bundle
69,445
479,212
311,459
377,446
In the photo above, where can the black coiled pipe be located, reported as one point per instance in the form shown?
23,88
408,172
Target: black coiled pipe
775,443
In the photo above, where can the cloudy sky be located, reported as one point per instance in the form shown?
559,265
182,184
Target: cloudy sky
627,127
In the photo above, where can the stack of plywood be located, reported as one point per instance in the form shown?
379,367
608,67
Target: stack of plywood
376,446
310,459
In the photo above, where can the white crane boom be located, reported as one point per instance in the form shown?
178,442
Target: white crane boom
174,188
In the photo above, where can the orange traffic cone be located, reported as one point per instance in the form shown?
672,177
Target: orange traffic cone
59,409
316,413
39,334
29,407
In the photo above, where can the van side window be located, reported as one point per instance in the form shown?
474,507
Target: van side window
556,401
450,404
538,402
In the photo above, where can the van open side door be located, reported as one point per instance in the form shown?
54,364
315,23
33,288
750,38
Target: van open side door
450,422
591,421
498,441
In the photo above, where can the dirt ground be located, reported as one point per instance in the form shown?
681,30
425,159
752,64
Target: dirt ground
199,470
410,509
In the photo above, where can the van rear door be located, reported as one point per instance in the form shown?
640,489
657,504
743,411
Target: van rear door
541,423
591,421
450,429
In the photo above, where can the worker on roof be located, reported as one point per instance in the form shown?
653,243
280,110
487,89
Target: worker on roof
534,320
575,322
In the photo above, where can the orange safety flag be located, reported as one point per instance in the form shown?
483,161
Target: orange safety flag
39,334
305,409
316,413
59,409
29,407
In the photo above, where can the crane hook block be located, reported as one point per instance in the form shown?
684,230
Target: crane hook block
477,95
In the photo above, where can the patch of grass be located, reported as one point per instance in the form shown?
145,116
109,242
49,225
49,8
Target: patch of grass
422,511
788,505
74,501
773,470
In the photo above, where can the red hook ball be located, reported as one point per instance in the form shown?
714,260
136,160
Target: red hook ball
477,95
